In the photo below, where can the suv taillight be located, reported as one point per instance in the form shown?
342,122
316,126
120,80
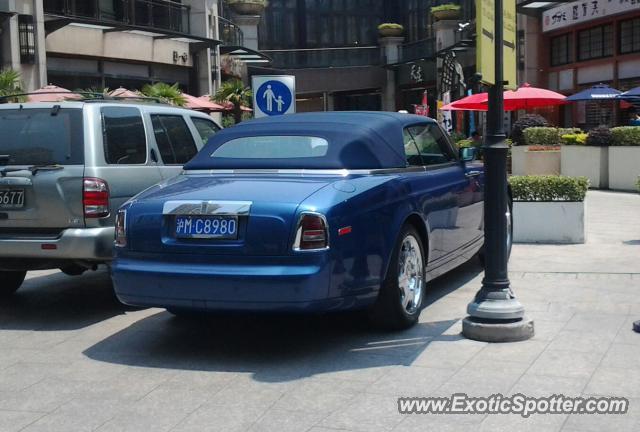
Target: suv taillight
312,233
95,198
121,229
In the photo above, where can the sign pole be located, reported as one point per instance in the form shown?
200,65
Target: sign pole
495,314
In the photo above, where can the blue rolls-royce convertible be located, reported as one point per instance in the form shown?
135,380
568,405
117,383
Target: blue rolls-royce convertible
305,212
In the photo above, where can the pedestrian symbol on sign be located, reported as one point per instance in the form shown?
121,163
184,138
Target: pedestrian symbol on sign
273,98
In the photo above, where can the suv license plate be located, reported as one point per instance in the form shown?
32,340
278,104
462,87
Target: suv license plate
214,227
11,198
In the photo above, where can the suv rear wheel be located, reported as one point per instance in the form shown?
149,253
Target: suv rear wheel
11,281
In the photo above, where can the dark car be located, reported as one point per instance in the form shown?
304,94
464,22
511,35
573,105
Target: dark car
305,212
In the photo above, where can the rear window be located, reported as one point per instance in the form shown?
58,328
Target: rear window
272,147
42,136
174,139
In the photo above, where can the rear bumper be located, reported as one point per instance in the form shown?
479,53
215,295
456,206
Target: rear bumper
275,287
93,244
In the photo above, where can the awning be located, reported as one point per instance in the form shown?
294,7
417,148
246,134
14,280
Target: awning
245,54
196,43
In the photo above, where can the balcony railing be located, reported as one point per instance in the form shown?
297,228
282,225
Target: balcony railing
155,14
424,48
324,57
229,33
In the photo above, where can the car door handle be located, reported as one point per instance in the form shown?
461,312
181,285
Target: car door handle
472,173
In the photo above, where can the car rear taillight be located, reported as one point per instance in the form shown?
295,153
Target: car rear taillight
312,233
121,229
95,198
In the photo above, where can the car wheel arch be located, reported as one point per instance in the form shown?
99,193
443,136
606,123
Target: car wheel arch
415,220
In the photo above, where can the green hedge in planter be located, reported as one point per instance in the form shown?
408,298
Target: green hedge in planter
524,122
390,26
599,137
625,136
574,139
548,188
547,136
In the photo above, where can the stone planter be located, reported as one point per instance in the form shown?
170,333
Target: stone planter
390,32
449,14
247,8
624,167
548,222
587,161
525,162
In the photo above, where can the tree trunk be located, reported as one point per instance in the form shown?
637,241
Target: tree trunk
237,113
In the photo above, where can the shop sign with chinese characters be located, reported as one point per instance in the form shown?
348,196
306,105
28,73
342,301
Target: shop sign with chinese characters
582,11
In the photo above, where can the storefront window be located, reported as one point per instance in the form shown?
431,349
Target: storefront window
561,50
595,43
630,36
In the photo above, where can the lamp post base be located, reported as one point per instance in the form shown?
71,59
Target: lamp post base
486,330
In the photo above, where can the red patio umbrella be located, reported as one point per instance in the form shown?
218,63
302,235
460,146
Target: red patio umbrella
475,102
52,93
122,92
226,106
201,103
524,97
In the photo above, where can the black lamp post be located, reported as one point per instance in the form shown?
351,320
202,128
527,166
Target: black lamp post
495,315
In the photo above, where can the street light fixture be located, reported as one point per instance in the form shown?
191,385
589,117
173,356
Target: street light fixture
495,314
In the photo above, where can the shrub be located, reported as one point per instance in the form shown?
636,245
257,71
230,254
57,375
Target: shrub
524,122
386,26
574,139
599,137
465,143
548,188
457,136
625,136
446,7
542,136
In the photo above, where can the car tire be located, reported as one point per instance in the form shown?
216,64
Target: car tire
11,281
399,301
481,252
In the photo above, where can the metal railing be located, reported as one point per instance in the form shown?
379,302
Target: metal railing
325,57
155,14
424,48
229,33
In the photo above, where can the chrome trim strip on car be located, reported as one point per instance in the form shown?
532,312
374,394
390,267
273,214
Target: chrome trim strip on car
306,172
196,207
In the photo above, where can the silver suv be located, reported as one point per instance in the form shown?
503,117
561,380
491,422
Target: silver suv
65,167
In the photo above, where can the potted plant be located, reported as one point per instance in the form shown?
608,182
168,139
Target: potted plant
446,11
624,156
548,209
247,7
587,155
518,143
390,30
541,153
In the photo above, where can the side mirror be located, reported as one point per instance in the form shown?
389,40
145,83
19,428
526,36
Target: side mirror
468,154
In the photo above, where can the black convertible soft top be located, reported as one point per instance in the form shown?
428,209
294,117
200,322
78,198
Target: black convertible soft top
357,140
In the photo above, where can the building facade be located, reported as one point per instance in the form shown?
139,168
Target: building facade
120,43
340,60
584,43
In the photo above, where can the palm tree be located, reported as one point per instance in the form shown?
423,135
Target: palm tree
168,93
235,92
10,84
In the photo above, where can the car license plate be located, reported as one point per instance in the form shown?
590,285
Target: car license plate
11,198
218,227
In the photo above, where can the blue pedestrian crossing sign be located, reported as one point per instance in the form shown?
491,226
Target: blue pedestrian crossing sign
273,95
